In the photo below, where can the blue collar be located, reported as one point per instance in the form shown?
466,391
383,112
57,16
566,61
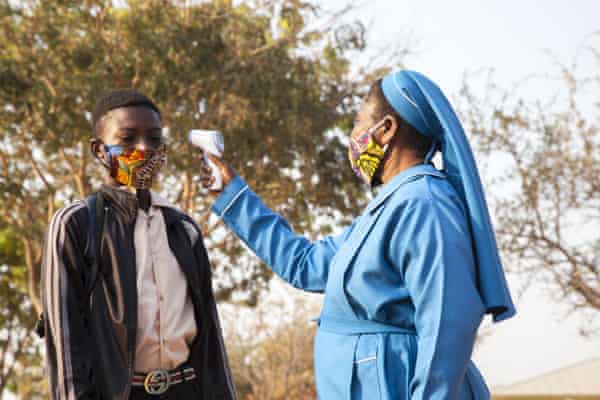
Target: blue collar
403,177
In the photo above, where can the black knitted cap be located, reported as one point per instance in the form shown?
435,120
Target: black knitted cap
121,98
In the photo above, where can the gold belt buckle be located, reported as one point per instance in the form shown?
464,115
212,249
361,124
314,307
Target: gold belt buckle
157,381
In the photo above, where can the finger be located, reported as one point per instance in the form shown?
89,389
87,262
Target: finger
221,165
215,159
207,180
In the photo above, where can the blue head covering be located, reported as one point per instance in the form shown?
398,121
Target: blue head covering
423,105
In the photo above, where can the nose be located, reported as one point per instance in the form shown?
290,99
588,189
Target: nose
141,145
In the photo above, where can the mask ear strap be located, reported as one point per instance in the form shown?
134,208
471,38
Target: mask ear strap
377,126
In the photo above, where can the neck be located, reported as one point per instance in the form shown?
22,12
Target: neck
397,162
144,198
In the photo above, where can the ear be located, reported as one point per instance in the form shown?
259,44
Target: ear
390,127
96,149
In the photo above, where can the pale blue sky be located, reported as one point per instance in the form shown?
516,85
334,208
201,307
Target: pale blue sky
512,37
453,36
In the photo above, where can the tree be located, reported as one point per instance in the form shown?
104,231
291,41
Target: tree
275,92
18,358
272,75
272,359
547,197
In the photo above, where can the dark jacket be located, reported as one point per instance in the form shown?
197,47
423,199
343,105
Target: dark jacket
90,348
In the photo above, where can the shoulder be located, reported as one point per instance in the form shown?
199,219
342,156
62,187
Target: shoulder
189,225
70,217
173,212
424,187
430,197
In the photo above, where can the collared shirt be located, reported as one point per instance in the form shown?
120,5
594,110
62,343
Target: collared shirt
166,323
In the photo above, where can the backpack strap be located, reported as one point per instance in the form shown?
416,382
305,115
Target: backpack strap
90,205
96,209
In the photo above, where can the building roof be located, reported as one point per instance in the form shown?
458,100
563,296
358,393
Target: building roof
582,378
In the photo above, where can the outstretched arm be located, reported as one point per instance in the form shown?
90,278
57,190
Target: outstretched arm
294,258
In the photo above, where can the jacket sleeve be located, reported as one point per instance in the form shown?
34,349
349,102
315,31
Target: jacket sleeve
294,258
68,353
434,248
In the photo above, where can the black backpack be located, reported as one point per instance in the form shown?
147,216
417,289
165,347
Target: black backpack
96,209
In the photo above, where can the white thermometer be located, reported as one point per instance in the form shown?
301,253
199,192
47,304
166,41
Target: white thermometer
210,142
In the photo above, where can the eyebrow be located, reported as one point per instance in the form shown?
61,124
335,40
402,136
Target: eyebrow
133,130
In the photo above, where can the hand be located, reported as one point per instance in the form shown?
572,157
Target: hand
207,179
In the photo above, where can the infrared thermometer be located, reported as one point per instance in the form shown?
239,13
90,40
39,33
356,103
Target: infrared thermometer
210,142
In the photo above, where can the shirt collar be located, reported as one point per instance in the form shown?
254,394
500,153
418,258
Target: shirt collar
160,201
156,200
403,177
125,200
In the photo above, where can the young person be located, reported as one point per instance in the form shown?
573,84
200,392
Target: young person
129,311
408,283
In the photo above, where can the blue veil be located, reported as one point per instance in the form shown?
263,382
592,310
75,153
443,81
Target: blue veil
423,105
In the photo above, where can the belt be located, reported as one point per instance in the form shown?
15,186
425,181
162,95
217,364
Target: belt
159,380
347,326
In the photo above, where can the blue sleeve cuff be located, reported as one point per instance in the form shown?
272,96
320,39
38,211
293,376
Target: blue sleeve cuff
229,195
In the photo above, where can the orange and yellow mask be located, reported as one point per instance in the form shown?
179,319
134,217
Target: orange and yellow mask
133,167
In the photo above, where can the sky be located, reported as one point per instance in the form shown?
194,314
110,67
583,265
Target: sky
449,38
516,39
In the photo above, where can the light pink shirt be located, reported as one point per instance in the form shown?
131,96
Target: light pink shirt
166,323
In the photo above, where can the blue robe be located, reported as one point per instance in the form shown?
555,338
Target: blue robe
401,308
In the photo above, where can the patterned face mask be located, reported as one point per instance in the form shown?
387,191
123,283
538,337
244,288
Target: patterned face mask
366,155
133,167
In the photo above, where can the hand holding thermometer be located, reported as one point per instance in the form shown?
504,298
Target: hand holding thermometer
210,142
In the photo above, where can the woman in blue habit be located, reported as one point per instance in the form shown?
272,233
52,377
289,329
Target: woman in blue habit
408,282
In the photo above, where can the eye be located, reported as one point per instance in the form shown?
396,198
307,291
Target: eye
155,140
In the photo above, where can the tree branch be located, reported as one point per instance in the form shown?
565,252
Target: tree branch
32,275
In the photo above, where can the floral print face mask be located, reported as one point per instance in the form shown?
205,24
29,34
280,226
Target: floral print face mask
366,155
133,167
